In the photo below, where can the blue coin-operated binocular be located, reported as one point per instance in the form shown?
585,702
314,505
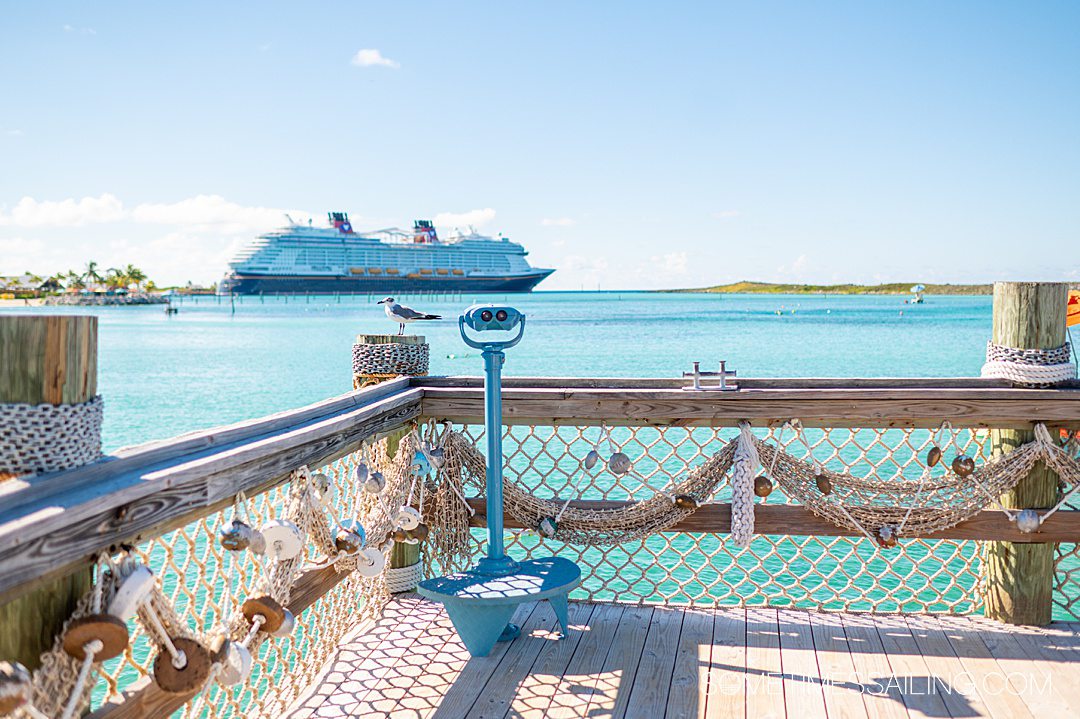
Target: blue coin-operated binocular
485,318
482,319
481,601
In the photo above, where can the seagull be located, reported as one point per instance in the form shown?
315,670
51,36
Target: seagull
402,314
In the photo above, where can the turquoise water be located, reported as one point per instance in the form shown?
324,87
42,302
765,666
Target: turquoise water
209,365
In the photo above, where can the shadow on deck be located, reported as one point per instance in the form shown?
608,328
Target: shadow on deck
646,662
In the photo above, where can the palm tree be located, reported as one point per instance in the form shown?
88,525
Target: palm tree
92,273
114,278
75,280
135,275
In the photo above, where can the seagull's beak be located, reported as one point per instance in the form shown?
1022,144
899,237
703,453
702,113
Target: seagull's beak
381,302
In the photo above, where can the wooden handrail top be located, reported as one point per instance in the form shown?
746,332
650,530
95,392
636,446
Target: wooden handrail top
917,403
52,523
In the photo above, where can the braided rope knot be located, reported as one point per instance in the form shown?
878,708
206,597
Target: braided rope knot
1029,367
742,487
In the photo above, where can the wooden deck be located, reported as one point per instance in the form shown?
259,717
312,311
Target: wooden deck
648,663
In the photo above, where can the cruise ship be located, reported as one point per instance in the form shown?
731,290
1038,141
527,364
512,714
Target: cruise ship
335,259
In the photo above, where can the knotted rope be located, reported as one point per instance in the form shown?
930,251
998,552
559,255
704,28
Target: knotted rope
742,487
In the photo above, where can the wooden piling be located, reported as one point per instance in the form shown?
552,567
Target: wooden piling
1019,577
44,359
401,554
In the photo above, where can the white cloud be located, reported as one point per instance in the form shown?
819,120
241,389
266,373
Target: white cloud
80,30
214,212
674,263
199,212
557,222
472,218
798,267
65,213
13,132
370,57
726,214
581,263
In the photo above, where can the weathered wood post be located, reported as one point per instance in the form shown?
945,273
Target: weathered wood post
44,359
1019,577
374,362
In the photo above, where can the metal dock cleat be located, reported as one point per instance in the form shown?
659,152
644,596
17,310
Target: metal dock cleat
722,375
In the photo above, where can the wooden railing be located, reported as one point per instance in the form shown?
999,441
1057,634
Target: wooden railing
53,525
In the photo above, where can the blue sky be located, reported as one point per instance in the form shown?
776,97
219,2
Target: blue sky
629,145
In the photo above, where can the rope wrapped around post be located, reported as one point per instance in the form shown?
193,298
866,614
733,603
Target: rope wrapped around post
40,438
376,358
1029,367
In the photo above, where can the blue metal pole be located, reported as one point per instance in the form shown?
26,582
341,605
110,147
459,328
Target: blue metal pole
493,361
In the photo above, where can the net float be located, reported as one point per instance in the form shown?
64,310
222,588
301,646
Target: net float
235,661
268,608
235,536
134,589
963,465
375,483
420,465
685,501
763,486
421,532
1028,521
348,541
591,459
619,463
824,484
15,687
887,536
371,562
283,539
933,456
111,632
547,527
437,457
186,675
324,488
408,518
287,625
360,474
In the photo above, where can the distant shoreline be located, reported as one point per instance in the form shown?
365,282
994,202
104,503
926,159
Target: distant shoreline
894,288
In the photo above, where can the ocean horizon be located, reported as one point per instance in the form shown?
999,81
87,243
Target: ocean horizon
215,363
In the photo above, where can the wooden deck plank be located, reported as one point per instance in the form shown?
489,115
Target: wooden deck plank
803,694
1002,699
840,682
473,676
690,676
727,666
538,688
612,688
631,662
578,682
495,699
917,686
764,684
880,695
652,682
1057,652
362,660
954,684
1034,677
425,674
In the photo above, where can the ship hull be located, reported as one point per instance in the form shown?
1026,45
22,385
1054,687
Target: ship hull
253,284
